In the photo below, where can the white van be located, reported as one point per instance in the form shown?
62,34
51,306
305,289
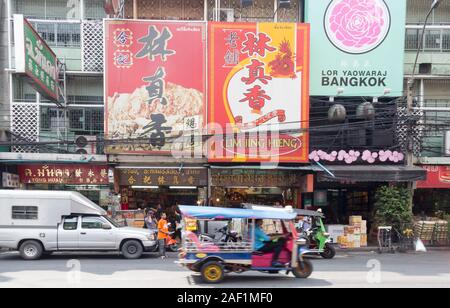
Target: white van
41,222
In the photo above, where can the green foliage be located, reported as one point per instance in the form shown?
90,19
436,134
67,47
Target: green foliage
392,207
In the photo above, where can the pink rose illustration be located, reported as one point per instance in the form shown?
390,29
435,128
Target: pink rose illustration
358,24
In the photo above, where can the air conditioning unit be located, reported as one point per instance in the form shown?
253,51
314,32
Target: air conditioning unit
447,143
86,145
226,15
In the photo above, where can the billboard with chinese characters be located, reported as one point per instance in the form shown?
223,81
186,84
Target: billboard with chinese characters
154,84
358,47
258,92
63,174
35,59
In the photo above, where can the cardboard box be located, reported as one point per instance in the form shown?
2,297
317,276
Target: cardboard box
335,232
363,240
364,227
355,220
349,230
356,230
356,241
138,224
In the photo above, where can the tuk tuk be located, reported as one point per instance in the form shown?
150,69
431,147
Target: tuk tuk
215,259
314,231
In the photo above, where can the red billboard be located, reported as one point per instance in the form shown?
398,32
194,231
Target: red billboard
258,92
437,177
63,174
154,83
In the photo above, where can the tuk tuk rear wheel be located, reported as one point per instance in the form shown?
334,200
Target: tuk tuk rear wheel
303,270
212,272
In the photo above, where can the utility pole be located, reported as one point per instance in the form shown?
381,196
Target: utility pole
410,102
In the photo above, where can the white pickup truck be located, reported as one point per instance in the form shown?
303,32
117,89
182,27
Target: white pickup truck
41,222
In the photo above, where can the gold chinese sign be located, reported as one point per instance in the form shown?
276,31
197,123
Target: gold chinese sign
64,174
162,177
254,178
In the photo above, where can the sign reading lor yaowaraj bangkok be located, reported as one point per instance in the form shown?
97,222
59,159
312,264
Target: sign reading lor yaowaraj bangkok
358,47
35,59
154,83
258,92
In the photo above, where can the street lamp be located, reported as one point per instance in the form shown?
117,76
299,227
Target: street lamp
410,146
434,5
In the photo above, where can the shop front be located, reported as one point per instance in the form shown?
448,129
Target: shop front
433,194
142,187
230,187
88,179
344,191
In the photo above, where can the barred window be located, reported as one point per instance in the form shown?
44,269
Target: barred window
59,34
25,212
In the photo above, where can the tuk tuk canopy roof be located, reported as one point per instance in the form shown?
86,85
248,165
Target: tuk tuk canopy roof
208,212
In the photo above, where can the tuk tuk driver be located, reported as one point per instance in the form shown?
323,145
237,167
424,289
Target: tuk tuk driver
265,243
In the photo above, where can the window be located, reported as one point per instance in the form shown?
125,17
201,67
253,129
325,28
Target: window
432,39
92,223
70,223
25,212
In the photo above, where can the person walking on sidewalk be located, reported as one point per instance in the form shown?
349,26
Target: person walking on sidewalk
163,233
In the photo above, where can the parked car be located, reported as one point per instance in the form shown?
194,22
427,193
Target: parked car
41,222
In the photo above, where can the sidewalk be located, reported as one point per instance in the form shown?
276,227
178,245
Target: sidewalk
375,249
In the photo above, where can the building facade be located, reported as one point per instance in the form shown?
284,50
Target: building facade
30,125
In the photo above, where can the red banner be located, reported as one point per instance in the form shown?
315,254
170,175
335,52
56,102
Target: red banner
63,174
437,177
258,92
154,83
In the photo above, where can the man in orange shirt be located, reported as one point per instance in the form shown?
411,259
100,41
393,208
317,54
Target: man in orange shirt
163,233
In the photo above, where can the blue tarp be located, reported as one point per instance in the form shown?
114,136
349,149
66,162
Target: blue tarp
207,212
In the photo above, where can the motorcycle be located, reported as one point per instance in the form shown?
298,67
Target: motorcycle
223,235
319,241
171,243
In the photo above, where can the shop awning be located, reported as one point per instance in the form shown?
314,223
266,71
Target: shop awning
373,174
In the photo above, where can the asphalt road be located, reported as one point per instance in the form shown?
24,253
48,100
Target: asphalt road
362,269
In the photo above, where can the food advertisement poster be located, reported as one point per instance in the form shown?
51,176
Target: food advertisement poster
358,47
154,84
258,100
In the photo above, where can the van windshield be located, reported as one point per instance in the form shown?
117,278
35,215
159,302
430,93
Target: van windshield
115,224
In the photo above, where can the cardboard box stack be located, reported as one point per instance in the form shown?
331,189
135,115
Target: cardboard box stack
355,235
335,232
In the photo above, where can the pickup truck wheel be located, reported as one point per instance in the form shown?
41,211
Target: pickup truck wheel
31,250
132,249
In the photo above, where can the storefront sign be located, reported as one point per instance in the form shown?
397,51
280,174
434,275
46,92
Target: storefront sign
162,177
254,178
10,180
437,177
154,84
358,47
63,174
258,92
35,59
